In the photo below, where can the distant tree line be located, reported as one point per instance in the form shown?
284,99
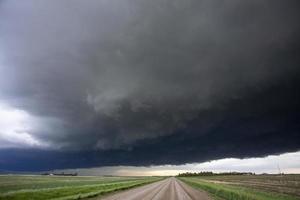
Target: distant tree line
59,174
187,174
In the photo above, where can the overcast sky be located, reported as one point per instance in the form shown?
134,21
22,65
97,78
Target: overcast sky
137,83
284,163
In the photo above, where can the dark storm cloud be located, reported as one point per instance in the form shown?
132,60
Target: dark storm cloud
160,82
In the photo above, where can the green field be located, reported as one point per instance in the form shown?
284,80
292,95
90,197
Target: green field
248,187
62,187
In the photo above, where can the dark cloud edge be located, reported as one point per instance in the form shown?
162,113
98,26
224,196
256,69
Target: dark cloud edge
258,124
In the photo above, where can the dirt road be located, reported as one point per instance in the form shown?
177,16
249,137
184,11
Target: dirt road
168,189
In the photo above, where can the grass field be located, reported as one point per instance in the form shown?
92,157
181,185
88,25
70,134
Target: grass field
248,187
62,187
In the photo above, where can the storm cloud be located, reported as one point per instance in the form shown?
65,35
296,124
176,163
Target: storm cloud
147,82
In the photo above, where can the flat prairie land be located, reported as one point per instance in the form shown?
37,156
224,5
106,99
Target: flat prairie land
62,187
250,187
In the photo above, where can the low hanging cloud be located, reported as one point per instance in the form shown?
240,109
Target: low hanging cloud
149,82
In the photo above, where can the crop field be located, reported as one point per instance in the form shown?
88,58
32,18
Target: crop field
62,187
248,187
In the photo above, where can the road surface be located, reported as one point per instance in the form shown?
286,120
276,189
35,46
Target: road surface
168,189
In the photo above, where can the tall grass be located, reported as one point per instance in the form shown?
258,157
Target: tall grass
229,192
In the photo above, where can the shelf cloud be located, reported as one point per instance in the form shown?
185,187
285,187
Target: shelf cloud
147,82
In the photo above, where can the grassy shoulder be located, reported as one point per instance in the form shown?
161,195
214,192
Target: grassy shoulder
229,192
71,190
288,184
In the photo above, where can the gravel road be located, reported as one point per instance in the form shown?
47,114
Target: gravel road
168,189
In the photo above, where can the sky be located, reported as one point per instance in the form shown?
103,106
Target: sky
288,163
153,84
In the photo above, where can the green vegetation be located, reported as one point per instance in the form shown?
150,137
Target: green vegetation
246,187
285,184
62,188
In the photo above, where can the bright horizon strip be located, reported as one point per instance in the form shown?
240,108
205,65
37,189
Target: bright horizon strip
285,163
